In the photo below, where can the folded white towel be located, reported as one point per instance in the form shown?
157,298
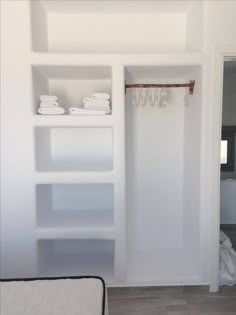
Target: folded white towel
51,111
48,104
94,101
97,107
103,96
82,111
45,98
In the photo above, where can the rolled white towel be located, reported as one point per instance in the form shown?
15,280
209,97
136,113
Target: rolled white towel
96,107
82,111
51,111
94,101
48,104
103,96
45,98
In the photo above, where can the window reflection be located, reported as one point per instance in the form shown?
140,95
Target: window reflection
224,151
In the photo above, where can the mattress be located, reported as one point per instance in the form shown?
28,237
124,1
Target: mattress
53,296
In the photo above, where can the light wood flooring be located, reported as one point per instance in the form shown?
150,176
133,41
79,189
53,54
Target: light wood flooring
171,301
188,300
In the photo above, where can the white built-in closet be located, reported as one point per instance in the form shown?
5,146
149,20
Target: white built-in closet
118,195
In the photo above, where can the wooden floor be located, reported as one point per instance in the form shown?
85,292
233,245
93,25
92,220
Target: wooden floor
174,300
171,301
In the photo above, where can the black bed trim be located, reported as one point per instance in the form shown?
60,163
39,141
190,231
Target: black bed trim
61,278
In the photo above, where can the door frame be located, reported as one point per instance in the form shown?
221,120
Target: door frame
216,95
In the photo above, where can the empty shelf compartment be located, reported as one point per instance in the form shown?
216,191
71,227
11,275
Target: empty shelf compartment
53,26
75,205
74,148
73,257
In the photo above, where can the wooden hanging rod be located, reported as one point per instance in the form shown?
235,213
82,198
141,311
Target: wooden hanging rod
190,85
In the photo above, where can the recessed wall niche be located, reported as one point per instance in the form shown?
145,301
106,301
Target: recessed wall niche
82,149
116,26
69,257
75,205
69,83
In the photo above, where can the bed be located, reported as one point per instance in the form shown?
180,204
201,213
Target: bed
54,296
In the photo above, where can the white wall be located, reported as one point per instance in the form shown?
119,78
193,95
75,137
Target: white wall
193,215
219,24
195,26
154,149
39,24
17,190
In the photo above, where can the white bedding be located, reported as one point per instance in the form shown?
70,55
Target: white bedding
227,273
83,296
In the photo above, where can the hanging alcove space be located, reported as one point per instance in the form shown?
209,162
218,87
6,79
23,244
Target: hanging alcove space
163,177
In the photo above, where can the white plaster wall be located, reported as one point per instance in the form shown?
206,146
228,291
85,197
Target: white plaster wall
192,214
18,252
154,148
39,27
195,26
219,24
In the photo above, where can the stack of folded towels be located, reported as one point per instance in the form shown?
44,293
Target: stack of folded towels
96,104
50,106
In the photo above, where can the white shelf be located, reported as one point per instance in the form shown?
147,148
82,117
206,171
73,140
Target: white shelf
76,258
81,219
72,120
73,177
75,59
67,166
54,233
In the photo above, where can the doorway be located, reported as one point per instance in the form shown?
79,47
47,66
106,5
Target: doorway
213,150
227,268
